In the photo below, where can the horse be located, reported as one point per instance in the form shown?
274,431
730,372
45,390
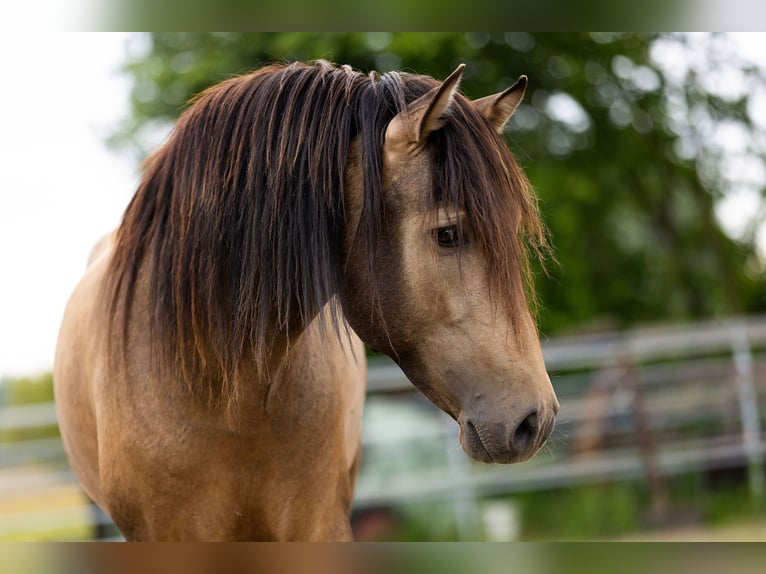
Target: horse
210,367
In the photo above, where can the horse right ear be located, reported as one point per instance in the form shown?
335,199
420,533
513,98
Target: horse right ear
410,128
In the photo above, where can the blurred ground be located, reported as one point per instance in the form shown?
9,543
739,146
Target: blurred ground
41,510
746,531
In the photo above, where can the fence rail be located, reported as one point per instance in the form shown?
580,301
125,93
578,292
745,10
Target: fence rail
645,403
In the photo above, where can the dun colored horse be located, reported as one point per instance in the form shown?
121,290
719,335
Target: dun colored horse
210,371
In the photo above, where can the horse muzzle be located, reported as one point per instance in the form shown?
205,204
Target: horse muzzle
506,442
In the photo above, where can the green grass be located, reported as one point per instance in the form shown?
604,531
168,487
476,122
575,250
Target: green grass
613,510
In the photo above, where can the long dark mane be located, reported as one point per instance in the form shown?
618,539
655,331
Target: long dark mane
239,217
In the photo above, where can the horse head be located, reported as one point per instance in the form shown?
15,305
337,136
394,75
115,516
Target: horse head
441,290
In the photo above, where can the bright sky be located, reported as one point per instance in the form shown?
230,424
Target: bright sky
62,188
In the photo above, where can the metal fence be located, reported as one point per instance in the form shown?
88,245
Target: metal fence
641,404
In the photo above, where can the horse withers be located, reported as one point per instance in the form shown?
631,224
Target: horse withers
210,370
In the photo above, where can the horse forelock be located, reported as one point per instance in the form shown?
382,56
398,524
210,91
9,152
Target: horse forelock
474,173
238,219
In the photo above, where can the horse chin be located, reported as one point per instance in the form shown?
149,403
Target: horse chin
472,444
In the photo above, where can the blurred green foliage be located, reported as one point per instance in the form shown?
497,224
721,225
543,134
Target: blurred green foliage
620,509
27,391
394,14
609,510
583,512
617,144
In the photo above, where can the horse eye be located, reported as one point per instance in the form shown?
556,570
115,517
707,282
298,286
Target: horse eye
449,237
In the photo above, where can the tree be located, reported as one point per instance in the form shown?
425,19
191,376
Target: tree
615,139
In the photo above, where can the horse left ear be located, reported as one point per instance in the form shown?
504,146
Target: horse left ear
499,108
410,128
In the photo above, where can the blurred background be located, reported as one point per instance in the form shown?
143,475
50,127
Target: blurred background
647,153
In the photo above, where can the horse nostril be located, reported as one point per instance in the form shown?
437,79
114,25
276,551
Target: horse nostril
526,433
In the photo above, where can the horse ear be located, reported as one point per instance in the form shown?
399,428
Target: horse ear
410,128
499,108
